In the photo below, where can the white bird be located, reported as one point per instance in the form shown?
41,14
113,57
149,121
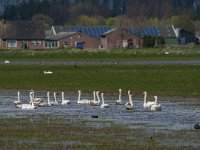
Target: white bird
46,104
155,106
96,102
55,103
27,106
129,106
48,72
103,105
129,92
36,100
18,99
82,101
119,101
6,62
64,101
147,104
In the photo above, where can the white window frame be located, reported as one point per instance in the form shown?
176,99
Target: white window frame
11,43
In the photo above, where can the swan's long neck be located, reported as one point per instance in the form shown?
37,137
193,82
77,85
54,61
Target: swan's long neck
55,97
18,96
97,93
145,97
94,96
102,98
79,96
48,98
130,99
156,99
62,96
120,94
31,98
33,95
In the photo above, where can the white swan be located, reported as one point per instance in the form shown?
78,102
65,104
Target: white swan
46,104
27,106
155,106
129,92
82,101
36,100
64,101
119,101
18,99
96,102
147,104
6,62
103,105
129,106
55,103
48,72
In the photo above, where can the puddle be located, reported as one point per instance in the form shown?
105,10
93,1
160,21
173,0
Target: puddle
175,115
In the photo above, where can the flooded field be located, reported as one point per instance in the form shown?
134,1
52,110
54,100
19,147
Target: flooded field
174,124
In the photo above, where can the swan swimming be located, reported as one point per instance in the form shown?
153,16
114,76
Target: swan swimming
129,92
64,101
82,101
27,106
155,106
96,103
129,106
36,100
147,104
119,101
103,105
46,104
18,99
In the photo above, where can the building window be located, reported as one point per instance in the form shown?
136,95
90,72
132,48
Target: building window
39,42
33,42
11,43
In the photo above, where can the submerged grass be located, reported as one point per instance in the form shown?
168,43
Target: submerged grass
49,134
175,80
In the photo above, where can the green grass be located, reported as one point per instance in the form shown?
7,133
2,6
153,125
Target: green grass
176,53
164,80
25,133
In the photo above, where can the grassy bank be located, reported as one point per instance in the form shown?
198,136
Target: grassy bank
49,133
175,53
175,80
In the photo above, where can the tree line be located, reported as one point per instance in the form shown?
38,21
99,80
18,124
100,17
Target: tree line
182,13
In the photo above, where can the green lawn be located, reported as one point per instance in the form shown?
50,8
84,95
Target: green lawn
175,53
164,80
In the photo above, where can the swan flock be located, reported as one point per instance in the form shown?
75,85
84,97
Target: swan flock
98,100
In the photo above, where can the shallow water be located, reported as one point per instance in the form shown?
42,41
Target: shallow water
175,115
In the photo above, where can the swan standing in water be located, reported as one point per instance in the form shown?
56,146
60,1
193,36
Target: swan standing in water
46,104
27,106
64,101
96,103
18,99
119,101
155,106
129,106
147,104
103,105
82,101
